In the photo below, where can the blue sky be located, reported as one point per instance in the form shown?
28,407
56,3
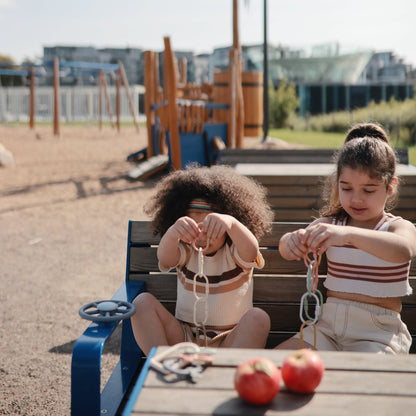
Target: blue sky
202,25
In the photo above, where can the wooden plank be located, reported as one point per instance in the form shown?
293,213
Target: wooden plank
267,289
225,402
289,190
294,214
351,361
285,212
281,288
278,229
286,180
149,98
142,233
306,169
312,186
143,259
300,202
235,156
171,85
148,167
410,215
349,382
295,170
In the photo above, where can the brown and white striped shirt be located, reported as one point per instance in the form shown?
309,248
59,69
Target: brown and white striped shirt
230,286
353,270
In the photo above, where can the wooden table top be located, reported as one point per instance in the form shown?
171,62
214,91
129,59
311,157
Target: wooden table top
353,383
302,169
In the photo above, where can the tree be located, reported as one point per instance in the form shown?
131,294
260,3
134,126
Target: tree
283,102
7,80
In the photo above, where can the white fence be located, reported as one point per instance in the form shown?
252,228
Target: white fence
76,103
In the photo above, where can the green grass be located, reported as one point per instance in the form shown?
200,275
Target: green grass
412,155
317,139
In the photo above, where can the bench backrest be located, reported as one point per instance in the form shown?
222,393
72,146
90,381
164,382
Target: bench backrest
232,156
278,287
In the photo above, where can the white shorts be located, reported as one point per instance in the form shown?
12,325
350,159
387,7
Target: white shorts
354,326
212,338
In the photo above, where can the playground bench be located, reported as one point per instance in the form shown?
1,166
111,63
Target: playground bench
278,289
232,156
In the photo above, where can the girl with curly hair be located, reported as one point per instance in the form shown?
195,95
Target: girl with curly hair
216,215
368,251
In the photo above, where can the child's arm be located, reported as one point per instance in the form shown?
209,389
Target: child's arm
397,245
185,229
215,225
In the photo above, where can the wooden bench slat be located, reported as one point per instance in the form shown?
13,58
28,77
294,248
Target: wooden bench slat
285,190
300,202
232,156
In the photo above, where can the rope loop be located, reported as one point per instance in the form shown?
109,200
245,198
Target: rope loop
201,299
312,279
312,276
314,334
304,307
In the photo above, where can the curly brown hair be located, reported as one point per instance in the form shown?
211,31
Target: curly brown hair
366,147
226,190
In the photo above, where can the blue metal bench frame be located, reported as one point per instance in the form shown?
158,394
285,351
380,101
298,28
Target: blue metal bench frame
86,398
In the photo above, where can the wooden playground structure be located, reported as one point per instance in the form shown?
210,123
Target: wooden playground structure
188,123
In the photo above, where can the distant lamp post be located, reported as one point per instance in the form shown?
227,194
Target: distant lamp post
265,76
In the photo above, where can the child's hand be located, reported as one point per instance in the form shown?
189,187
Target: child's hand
185,229
216,225
295,247
320,236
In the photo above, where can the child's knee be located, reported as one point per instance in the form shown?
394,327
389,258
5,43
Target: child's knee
258,318
144,300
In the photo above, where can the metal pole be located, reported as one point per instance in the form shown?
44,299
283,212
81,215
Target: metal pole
32,99
56,106
265,77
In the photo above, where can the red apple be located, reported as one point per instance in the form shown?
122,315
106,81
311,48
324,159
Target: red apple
257,380
302,371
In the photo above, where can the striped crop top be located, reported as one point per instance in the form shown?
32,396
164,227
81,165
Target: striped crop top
353,270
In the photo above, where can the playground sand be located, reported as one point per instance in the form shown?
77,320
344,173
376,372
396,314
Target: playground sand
64,210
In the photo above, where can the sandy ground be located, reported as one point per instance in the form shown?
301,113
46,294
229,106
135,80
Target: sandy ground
64,211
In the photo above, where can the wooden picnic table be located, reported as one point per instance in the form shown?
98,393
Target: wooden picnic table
353,383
